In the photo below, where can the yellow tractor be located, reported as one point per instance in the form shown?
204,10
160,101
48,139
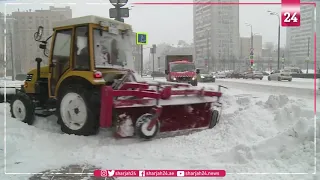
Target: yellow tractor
89,83
82,51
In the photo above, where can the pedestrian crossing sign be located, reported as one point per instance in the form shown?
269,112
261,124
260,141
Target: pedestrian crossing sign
141,38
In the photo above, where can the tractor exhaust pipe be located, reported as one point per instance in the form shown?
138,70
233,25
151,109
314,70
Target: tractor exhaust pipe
38,60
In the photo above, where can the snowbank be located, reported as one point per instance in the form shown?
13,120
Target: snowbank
256,134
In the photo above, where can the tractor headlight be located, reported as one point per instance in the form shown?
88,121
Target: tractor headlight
174,78
214,76
194,78
202,76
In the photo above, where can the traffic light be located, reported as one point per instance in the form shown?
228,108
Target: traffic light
251,62
251,57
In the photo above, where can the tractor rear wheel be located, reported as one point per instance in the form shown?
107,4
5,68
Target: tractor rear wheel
76,113
22,108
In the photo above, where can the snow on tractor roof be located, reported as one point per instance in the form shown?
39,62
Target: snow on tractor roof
92,20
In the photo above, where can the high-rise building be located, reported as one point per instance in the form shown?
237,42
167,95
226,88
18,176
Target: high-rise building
245,46
300,40
27,24
216,33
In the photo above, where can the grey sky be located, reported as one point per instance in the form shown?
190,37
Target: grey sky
168,23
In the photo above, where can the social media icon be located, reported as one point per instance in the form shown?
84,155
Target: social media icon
110,173
180,173
142,173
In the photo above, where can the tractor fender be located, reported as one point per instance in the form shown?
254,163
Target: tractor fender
72,80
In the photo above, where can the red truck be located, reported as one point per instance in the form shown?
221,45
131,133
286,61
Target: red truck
180,68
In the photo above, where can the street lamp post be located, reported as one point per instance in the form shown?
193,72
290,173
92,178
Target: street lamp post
251,49
276,14
208,51
251,34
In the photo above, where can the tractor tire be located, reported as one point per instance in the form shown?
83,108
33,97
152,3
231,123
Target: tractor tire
141,127
261,78
269,78
214,119
22,108
83,110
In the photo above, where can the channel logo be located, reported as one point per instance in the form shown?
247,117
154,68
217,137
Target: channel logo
180,173
142,173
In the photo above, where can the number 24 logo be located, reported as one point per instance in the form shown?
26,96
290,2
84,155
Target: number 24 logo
290,18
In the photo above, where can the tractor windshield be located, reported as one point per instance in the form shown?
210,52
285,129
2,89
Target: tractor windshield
182,67
111,49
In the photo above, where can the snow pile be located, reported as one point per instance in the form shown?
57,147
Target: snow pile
271,134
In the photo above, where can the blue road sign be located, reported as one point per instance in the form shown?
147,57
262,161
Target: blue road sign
142,38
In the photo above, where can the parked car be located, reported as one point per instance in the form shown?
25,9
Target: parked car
280,75
236,75
254,75
221,75
229,74
206,77
265,73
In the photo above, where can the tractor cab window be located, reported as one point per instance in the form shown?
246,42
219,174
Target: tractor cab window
61,56
111,49
81,50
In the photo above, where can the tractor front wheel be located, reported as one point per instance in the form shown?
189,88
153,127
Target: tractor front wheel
22,108
141,127
76,115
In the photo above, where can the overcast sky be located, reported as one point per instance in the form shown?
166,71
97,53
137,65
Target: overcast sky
167,23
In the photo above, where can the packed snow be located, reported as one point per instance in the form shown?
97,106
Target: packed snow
258,134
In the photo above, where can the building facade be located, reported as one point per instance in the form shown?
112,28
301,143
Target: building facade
27,24
300,40
9,44
216,34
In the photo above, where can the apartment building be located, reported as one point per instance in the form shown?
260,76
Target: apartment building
300,38
216,33
245,46
27,24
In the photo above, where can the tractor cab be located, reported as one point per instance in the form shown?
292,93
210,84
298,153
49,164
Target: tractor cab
92,49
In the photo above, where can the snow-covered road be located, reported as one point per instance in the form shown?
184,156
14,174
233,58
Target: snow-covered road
258,133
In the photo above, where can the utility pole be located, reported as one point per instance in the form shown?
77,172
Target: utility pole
12,58
208,53
279,26
279,44
141,39
153,51
308,55
141,61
